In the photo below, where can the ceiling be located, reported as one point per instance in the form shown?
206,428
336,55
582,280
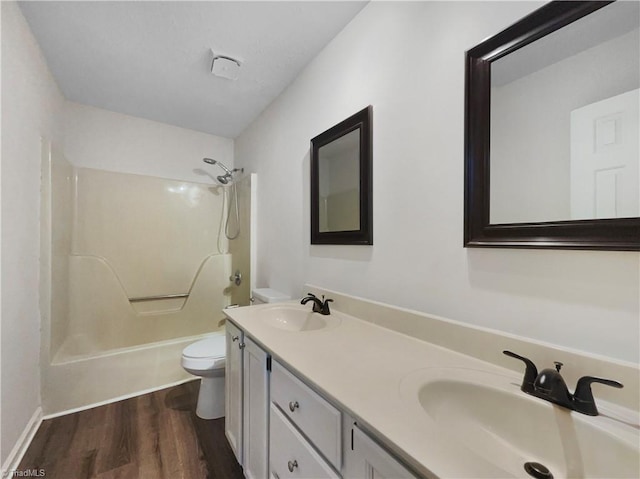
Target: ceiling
153,59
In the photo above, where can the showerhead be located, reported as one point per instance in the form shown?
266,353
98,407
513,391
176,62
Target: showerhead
228,174
211,161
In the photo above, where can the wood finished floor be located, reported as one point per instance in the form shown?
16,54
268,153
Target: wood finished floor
157,435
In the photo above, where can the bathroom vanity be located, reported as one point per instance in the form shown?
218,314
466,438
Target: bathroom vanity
333,396
279,426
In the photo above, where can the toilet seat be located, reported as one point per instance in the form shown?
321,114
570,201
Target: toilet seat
205,354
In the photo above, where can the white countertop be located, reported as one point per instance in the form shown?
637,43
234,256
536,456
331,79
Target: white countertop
360,366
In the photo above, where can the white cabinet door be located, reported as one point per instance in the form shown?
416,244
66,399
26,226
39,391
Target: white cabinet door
233,389
256,411
291,456
369,461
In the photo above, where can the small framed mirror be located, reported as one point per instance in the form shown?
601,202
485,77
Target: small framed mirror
551,130
341,183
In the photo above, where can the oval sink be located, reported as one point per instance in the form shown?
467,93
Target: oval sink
297,318
490,416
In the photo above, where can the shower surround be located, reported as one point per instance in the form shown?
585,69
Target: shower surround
134,268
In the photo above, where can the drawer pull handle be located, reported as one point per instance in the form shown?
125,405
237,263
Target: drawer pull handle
293,405
234,338
292,465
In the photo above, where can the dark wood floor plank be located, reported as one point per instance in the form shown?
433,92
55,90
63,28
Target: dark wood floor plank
168,453
155,436
54,442
120,444
150,457
126,471
179,404
79,465
217,451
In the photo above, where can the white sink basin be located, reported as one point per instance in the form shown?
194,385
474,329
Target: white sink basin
297,318
488,415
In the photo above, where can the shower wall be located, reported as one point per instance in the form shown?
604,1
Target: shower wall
57,188
133,238
112,243
240,247
113,230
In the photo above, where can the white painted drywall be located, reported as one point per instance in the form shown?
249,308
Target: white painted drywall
30,102
407,60
101,139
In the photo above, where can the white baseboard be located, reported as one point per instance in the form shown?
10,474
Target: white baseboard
17,453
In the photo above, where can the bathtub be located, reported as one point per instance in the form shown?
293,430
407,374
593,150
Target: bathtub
82,381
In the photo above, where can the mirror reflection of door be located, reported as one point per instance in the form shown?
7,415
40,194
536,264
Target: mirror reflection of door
604,159
339,184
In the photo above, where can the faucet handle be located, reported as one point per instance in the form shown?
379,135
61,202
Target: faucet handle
325,306
585,403
530,374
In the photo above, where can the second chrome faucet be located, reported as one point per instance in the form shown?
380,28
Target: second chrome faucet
550,386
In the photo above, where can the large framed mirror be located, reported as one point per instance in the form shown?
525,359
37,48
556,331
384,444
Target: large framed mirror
551,130
341,182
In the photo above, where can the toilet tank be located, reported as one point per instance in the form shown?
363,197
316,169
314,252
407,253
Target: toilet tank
268,295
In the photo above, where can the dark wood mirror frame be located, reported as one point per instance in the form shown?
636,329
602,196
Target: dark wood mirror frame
596,234
363,236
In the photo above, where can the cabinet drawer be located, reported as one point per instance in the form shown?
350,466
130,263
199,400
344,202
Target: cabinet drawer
319,421
290,454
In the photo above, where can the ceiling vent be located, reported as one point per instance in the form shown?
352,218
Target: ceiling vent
225,67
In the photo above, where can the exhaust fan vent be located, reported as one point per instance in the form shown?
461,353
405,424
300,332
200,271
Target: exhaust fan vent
225,67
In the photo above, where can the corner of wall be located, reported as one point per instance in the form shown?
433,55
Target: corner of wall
24,440
29,112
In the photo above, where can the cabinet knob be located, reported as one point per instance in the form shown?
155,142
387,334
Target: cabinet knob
292,465
234,338
241,345
293,405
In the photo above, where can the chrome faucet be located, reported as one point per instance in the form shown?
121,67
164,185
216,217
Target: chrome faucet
550,386
319,306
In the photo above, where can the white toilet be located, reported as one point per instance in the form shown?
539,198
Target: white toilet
268,295
206,358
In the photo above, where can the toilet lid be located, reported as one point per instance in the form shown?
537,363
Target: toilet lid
213,347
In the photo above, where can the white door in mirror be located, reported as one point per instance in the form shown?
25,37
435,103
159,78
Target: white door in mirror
604,159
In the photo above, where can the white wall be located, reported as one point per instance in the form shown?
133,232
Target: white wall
30,102
101,139
407,60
